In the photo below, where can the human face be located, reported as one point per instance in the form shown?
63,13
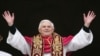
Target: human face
46,29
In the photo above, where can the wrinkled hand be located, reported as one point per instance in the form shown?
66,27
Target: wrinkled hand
8,17
88,18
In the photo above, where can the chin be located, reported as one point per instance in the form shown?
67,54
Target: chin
46,34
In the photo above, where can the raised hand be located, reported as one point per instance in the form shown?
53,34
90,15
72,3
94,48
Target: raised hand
8,17
88,18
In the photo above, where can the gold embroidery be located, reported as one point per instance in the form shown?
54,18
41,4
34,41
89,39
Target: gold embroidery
37,46
55,45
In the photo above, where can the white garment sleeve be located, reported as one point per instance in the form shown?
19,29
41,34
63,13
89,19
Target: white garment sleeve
2,53
17,41
80,40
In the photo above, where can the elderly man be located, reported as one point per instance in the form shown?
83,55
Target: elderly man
48,42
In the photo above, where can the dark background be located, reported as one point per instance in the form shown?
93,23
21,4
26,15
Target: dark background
67,16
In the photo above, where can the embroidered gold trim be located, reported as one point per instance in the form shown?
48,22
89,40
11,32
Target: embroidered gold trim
57,48
56,45
37,46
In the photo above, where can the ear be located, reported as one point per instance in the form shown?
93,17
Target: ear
53,29
39,30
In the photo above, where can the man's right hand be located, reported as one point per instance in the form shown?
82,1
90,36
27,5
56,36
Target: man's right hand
9,17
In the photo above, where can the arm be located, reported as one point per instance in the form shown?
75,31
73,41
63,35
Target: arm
15,38
3,53
80,40
84,37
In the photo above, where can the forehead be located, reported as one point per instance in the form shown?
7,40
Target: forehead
46,23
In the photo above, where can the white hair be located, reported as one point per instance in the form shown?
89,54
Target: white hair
45,20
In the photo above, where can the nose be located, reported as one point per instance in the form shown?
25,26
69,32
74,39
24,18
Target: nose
46,27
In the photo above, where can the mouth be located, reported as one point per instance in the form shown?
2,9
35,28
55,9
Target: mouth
46,31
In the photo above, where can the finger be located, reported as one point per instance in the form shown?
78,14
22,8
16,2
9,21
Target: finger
94,16
8,12
89,13
5,13
93,13
84,16
4,16
13,15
